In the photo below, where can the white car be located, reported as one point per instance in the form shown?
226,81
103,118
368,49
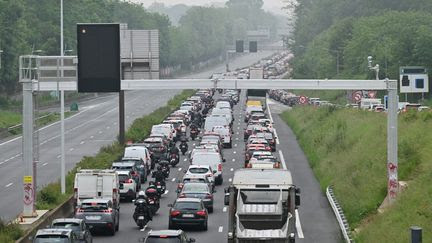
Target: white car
225,134
165,129
212,159
127,185
201,170
139,151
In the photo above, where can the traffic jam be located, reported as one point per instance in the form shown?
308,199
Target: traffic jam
194,143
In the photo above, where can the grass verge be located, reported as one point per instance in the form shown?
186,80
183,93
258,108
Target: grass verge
346,148
50,196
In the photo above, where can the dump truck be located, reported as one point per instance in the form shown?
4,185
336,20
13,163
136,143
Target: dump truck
262,204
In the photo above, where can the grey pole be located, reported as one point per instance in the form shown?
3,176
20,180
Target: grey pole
28,179
227,61
1,52
62,125
337,63
392,141
416,234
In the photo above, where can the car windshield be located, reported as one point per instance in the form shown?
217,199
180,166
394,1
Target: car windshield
67,225
123,177
199,170
195,187
188,205
163,239
261,196
94,207
51,239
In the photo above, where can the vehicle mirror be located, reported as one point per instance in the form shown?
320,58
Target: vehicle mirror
170,205
224,160
133,200
192,240
184,171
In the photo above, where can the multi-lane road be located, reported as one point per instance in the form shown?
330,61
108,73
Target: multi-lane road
316,221
94,126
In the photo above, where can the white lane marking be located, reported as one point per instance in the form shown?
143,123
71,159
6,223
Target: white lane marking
44,164
230,179
233,160
144,228
298,225
166,192
224,209
239,123
234,152
82,142
220,229
185,160
71,149
193,144
44,142
2,163
238,133
91,137
179,169
235,145
115,123
173,179
108,127
232,169
8,185
100,132
277,137
271,119
238,129
59,156
282,159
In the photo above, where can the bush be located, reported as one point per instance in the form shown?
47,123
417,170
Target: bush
9,232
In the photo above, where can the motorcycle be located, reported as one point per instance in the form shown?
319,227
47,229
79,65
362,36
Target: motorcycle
183,147
154,204
174,159
160,187
140,217
165,168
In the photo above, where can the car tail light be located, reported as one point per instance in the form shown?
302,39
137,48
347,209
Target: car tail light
201,213
209,196
107,210
219,167
249,165
158,183
175,213
267,148
79,210
180,185
182,195
276,165
129,181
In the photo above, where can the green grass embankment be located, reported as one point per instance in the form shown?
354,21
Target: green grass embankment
346,148
50,196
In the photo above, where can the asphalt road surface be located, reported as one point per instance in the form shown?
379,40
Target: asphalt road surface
94,126
316,221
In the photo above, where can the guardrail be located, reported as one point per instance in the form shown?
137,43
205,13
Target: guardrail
340,216
5,132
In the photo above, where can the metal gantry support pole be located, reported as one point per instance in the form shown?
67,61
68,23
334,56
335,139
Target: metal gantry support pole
392,141
62,125
29,189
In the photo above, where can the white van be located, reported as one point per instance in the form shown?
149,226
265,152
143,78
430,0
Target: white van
368,103
96,184
139,151
165,129
213,121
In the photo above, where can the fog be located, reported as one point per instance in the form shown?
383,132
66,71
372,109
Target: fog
274,6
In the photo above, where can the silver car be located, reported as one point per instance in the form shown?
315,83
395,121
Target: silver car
78,226
99,213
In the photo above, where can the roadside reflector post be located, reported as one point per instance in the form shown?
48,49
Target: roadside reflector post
416,234
392,141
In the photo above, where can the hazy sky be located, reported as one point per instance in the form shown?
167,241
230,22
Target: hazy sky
270,5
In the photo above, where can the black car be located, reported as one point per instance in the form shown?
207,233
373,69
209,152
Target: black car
168,236
188,212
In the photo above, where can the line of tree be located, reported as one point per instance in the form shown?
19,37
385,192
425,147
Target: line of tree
331,33
202,33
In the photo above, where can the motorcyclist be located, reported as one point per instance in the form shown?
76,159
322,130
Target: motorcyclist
142,207
183,145
175,150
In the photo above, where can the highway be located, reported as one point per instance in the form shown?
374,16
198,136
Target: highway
316,220
94,126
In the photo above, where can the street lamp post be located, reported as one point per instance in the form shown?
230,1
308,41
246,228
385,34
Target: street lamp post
62,125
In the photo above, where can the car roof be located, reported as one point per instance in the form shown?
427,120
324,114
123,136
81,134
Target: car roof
165,232
123,172
194,176
199,166
123,163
